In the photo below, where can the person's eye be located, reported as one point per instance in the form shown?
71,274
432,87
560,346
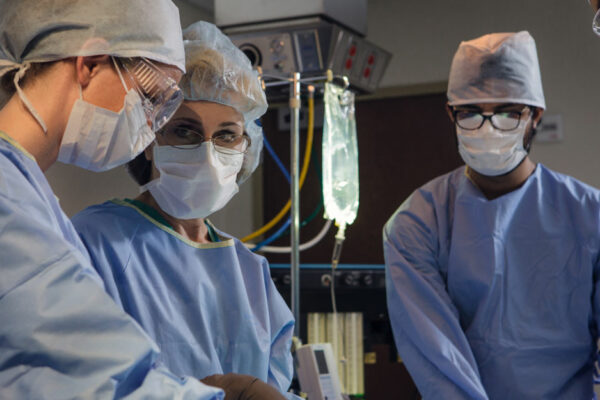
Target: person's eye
466,114
227,138
509,114
184,133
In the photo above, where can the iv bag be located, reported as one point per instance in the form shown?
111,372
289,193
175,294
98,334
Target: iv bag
340,156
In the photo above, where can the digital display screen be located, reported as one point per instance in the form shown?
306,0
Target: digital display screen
321,362
308,50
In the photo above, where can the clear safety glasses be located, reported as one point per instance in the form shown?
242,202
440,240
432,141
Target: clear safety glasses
187,137
501,120
160,95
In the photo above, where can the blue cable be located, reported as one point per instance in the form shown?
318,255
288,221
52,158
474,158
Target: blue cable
285,172
277,160
274,236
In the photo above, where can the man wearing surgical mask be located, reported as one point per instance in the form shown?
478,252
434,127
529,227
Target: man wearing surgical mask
494,140
492,270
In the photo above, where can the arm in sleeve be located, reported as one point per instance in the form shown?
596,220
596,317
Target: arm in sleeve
243,387
424,320
61,336
109,249
596,330
281,368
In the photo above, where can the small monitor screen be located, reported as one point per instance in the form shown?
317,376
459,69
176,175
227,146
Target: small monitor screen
321,362
308,49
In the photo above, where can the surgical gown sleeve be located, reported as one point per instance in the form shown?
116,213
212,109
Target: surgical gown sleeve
424,320
596,327
281,368
61,336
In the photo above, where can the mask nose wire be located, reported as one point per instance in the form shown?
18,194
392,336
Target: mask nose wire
18,76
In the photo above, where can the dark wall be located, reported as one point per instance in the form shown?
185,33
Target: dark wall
403,143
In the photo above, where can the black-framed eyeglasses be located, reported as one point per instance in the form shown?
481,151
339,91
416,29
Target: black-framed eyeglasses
186,137
504,120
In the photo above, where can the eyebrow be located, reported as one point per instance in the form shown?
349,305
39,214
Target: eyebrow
229,123
191,121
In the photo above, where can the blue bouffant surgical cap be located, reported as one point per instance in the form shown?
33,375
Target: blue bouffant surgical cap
34,31
219,72
496,68
38,31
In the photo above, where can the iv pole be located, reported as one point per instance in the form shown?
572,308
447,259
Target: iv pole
294,103
295,196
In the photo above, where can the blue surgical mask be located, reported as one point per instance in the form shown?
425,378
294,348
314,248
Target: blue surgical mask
490,151
98,139
194,182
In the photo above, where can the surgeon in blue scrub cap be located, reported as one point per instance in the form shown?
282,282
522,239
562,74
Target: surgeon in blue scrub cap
493,269
208,301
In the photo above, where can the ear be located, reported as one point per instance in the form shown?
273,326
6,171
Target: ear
537,116
148,151
87,67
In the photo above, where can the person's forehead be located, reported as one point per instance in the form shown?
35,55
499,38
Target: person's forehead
208,111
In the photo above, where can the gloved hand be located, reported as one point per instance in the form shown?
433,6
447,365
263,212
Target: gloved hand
243,387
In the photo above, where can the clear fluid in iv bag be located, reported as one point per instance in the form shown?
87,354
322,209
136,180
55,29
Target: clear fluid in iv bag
340,156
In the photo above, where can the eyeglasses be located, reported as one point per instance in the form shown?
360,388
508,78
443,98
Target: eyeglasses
596,23
160,95
185,137
501,120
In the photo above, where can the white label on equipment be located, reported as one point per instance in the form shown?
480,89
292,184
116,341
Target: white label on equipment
550,130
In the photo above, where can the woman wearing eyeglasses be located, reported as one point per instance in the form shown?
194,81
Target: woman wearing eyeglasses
208,301
69,97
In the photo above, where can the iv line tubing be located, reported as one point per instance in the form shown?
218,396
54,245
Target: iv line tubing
281,231
276,159
305,164
273,237
284,229
302,247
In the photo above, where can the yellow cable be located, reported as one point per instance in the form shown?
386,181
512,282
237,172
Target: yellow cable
306,163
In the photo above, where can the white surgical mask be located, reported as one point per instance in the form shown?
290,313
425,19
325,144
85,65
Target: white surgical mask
193,182
99,139
490,151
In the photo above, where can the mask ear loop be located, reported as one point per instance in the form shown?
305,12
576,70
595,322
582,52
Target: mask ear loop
527,147
136,89
119,73
18,76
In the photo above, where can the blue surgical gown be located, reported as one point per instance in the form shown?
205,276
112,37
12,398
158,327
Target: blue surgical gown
61,335
212,308
496,299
